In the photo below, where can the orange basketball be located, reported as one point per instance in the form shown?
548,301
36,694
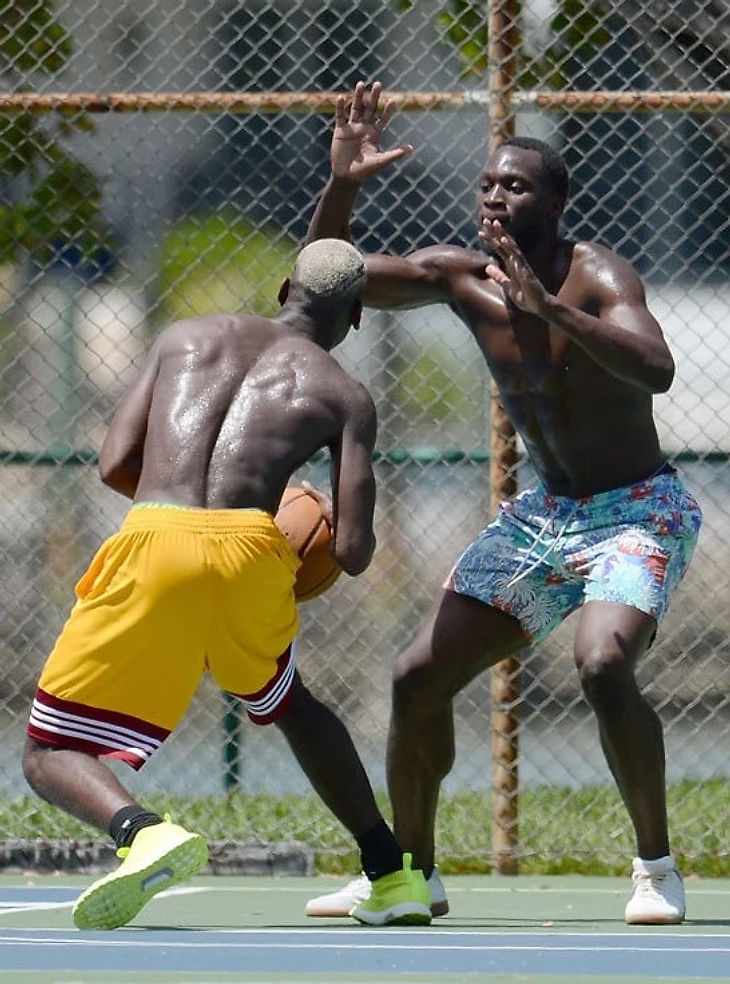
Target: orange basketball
301,521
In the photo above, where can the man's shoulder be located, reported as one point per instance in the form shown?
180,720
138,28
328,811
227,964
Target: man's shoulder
209,323
338,385
591,252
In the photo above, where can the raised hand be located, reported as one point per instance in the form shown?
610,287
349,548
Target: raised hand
515,275
355,154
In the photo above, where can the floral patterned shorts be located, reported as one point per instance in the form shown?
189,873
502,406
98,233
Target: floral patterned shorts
546,555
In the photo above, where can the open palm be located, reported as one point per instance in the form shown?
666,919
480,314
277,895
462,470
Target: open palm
355,153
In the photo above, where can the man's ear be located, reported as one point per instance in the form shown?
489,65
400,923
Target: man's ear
356,314
283,291
557,207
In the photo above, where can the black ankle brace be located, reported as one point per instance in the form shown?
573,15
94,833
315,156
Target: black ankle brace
380,852
127,821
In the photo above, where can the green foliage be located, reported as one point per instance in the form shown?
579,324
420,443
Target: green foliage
580,31
577,29
221,262
464,25
31,40
53,200
562,830
431,383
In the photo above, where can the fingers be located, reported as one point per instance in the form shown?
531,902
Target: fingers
322,498
388,156
340,111
359,125
386,115
364,106
356,106
496,273
493,233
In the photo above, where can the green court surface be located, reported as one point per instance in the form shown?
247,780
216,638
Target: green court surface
500,929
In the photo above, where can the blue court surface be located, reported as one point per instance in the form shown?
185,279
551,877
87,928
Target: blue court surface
254,930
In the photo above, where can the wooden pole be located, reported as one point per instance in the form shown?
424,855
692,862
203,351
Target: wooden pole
505,677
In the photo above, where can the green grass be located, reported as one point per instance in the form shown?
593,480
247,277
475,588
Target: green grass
562,831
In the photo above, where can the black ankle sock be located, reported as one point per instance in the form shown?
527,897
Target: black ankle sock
127,821
380,852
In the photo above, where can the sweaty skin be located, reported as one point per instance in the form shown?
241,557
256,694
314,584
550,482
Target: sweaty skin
577,356
223,411
227,407
563,326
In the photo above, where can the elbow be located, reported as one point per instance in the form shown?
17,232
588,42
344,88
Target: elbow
106,471
110,468
117,476
355,558
664,377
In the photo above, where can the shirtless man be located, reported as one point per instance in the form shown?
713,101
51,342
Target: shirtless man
225,409
609,528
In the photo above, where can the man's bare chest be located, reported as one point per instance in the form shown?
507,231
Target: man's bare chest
527,353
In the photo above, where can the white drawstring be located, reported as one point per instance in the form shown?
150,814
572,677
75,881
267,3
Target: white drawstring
520,573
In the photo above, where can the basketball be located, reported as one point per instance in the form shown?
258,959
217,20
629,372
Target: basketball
300,519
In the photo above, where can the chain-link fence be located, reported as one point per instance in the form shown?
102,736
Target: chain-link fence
178,173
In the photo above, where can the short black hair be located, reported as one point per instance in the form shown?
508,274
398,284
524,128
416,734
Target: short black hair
553,164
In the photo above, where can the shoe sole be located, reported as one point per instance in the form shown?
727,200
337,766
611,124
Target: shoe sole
337,912
405,914
668,921
114,902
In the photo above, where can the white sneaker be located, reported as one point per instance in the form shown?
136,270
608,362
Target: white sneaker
342,902
658,897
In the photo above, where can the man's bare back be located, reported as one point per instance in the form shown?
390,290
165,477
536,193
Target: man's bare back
239,403
227,407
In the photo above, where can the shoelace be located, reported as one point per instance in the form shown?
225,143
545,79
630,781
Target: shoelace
649,885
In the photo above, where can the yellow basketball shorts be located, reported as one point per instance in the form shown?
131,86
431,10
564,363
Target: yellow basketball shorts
174,593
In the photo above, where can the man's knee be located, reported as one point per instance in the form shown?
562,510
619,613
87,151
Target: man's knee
418,690
33,761
606,677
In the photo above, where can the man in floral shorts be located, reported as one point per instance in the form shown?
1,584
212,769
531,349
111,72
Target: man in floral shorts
576,356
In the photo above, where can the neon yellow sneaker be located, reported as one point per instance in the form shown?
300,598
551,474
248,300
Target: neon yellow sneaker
401,899
160,856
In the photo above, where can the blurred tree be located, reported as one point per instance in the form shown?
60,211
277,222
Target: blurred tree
577,27
49,200
221,262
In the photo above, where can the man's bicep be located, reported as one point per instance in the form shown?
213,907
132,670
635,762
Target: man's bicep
128,427
622,299
404,282
632,314
354,461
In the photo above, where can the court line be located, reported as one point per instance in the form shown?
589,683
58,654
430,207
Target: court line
12,907
414,951
372,938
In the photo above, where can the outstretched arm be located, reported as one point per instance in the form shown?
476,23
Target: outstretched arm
355,155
